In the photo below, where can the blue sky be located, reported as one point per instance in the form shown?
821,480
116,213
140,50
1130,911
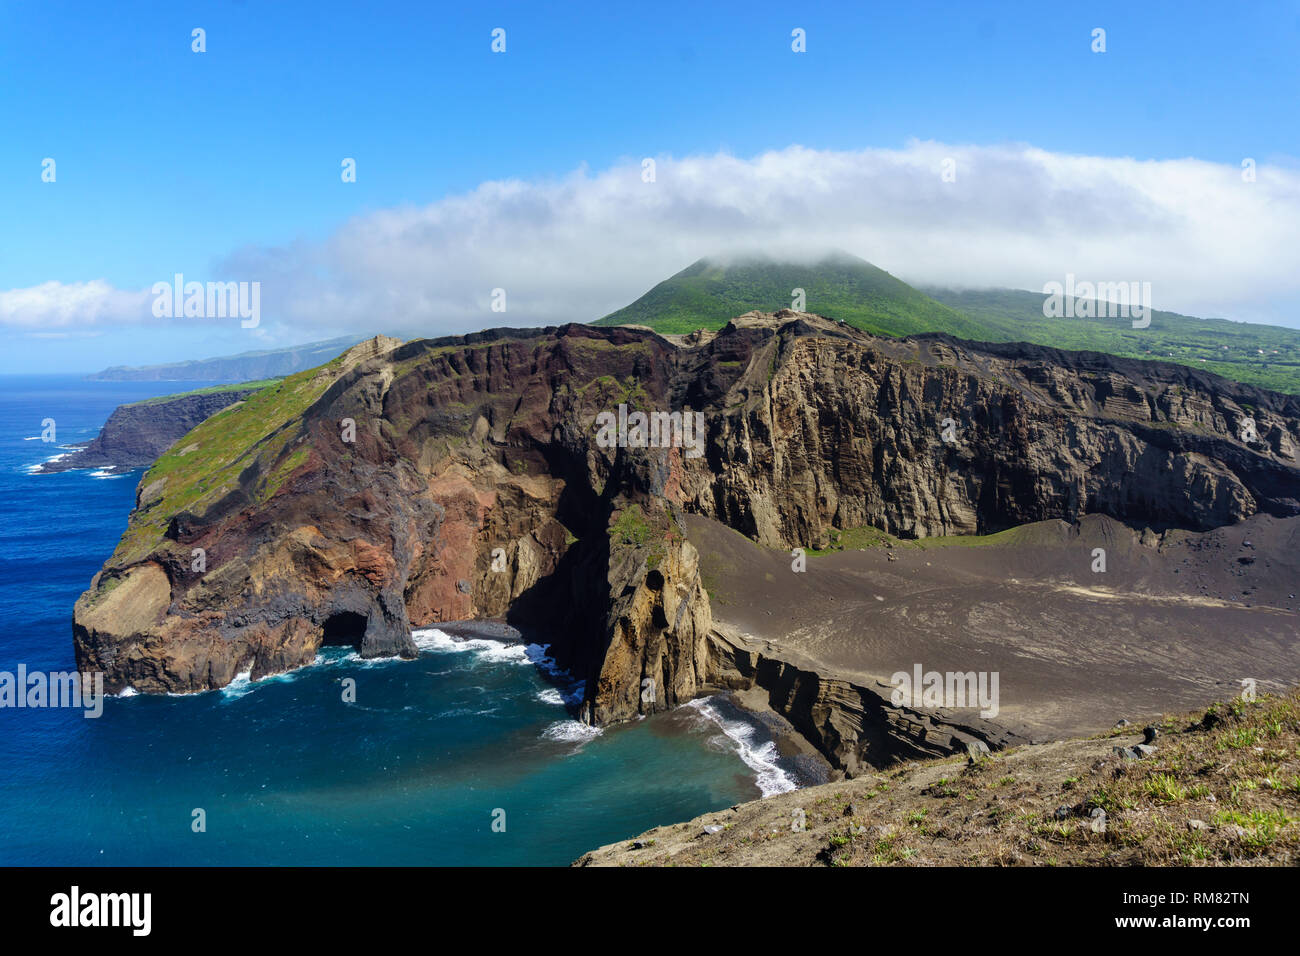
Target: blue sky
171,161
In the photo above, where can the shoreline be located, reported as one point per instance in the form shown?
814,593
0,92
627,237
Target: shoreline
809,765
800,761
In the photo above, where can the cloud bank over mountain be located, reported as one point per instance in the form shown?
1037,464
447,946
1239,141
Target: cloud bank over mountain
1209,240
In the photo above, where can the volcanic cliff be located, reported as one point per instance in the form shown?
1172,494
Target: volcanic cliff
403,485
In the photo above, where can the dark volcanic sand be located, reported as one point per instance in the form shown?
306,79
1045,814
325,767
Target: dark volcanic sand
1166,628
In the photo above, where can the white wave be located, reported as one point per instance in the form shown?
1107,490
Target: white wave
334,655
571,731
128,691
571,689
759,757
107,474
32,469
537,654
326,657
241,685
358,661
484,649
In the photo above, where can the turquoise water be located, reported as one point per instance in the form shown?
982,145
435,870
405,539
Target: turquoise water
284,770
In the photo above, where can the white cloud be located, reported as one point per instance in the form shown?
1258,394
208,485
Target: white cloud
577,247
50,306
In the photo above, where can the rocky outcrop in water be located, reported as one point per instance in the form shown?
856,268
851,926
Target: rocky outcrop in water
403,485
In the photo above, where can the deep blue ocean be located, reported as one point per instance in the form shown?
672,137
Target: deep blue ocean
284,770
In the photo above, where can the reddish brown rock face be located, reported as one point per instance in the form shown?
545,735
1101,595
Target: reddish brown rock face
475,488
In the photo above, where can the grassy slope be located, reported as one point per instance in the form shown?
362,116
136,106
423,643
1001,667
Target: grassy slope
708,293
205,464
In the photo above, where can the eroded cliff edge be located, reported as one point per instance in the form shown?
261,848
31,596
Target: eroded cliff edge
403,485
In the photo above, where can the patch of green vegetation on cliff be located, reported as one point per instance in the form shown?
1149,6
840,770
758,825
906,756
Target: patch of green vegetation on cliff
228,442
630,528
210,390
107,585
606,384
607,393
283,470
605,345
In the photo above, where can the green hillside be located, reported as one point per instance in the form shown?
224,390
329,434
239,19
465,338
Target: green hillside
1264,355
712,291
708,293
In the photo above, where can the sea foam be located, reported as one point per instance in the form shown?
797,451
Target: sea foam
485,649
761,757
571,731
